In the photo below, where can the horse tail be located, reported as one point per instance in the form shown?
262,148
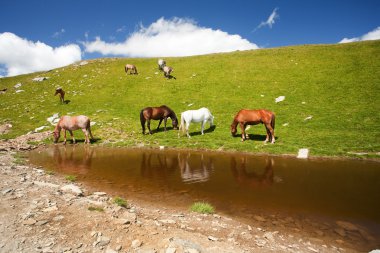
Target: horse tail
125,68
273,121
142,120
88,128
182,126
136,71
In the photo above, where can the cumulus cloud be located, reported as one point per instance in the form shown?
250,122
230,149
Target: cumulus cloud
270,21
175,37
372,35
21,56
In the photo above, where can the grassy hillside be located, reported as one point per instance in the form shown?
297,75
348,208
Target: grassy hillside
338,85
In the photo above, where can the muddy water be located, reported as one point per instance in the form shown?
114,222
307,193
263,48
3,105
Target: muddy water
235,183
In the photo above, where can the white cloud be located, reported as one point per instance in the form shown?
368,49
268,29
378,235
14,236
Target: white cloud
372,35
270,21
21,56
59,33
175,37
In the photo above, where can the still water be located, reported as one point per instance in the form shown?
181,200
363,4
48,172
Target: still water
234,183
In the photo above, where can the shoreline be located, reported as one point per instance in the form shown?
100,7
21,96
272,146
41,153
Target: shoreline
37,215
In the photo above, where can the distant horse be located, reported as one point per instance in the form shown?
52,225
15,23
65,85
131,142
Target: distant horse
157,113
61,94
71,124
167,70
132,68
254,117
202,115
161,64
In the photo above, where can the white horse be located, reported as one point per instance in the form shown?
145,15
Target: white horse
161,64
201,115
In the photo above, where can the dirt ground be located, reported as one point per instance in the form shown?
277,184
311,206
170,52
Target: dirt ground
43,212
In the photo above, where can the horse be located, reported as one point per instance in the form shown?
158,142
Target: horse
157,113
202,115
161,64
61,94
253,117
72,123
167,70
132,68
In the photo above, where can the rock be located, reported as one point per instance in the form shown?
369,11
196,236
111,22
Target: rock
135,244
269,237
17,86
192,250
119,247
44,184
167,221
40,128
280,99
103,241
110,251
72,188
308,118
29,222
170,250
50,209
347,226
127,218
212,238
41,222
99,193
7,191
259,218
303,153
312,249
39,79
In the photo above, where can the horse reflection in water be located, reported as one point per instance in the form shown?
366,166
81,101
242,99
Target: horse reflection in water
252,179
156,165
70,160
194,172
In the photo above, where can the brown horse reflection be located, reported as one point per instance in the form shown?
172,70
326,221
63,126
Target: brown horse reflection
252,179
71,160
194,170
158,165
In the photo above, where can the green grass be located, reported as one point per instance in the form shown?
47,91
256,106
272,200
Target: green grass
19,158
120,202
93,208
71,178
202,207
338,85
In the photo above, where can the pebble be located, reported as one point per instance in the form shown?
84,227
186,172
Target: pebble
212,238
136,244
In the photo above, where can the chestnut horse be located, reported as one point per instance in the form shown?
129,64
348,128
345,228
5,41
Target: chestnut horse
157,113
132,68
70,124
253,117
61,94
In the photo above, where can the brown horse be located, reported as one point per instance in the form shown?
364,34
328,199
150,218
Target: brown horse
132,68
70,124
253,117
157,113
61,94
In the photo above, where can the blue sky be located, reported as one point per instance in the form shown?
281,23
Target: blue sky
38,35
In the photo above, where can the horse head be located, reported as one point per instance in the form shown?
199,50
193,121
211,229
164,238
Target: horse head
56,135
175,123
233,129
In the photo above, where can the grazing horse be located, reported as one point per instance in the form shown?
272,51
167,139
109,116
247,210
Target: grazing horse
157,113
167,70
132,68
161,64
253,117
70,124
61,94
202,115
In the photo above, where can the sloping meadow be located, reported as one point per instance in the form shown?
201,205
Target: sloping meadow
330,107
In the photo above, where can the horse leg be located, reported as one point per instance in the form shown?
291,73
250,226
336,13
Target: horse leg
187,129
242,127
270,133
202,127
64,138
165,120
72,136
159,123
85,135
148,124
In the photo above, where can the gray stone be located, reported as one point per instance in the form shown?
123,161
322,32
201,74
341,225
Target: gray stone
212,238
136,244
103,241
72,188
170,250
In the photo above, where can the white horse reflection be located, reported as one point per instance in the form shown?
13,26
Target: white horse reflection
192,171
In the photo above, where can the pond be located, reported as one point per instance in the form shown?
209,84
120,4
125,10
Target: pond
236,184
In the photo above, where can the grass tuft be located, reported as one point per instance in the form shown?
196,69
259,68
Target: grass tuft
93,208
71,178
120,202
202,207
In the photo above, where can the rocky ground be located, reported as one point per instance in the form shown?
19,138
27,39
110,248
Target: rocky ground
43,212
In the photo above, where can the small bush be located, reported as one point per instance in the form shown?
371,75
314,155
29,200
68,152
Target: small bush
93,208
120,202
202,207
71,178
